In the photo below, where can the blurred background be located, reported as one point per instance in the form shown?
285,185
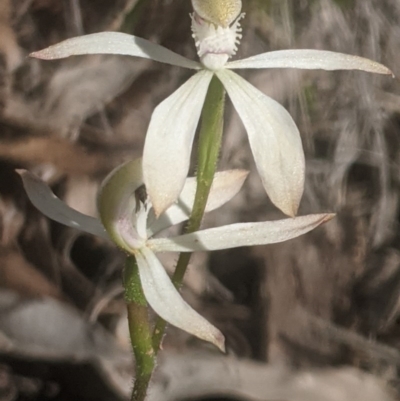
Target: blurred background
316,318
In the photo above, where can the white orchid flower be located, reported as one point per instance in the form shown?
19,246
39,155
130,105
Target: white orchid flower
273,135
127,218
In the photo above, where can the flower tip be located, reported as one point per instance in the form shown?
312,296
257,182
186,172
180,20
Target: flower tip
160,205
388,71
288,204
41,54
243,174
214,336
382,69
327,217
323,218
26,176
53,53
161,196
20,171
290,209
220,342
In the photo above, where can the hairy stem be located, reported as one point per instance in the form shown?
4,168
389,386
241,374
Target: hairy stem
140,330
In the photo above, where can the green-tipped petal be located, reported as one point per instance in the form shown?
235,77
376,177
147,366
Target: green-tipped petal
274,140
241,234
166,301
168,145
114,43
54,208
310,59
225,186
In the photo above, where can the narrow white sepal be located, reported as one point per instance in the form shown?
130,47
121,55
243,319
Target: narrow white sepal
114,43
225,186
166,301
310,59
274,140
241,234
54,208
169,139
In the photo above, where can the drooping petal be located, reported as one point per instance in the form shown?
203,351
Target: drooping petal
225,186
118,208
241,234
274,139
310,59
166,301
114,43
54,208
166,154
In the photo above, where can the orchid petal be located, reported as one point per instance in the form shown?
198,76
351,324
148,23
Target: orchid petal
114,43
225,186
166,155
274,140
310,59
54,208
117,205
241,234
166,301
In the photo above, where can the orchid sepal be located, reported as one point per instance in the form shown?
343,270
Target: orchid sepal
114,43
166,301
166,154
225,186
240,234
51,206
274,140
310,59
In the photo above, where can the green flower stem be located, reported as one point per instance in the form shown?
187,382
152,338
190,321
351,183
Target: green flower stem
144,345
212,122
140,330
